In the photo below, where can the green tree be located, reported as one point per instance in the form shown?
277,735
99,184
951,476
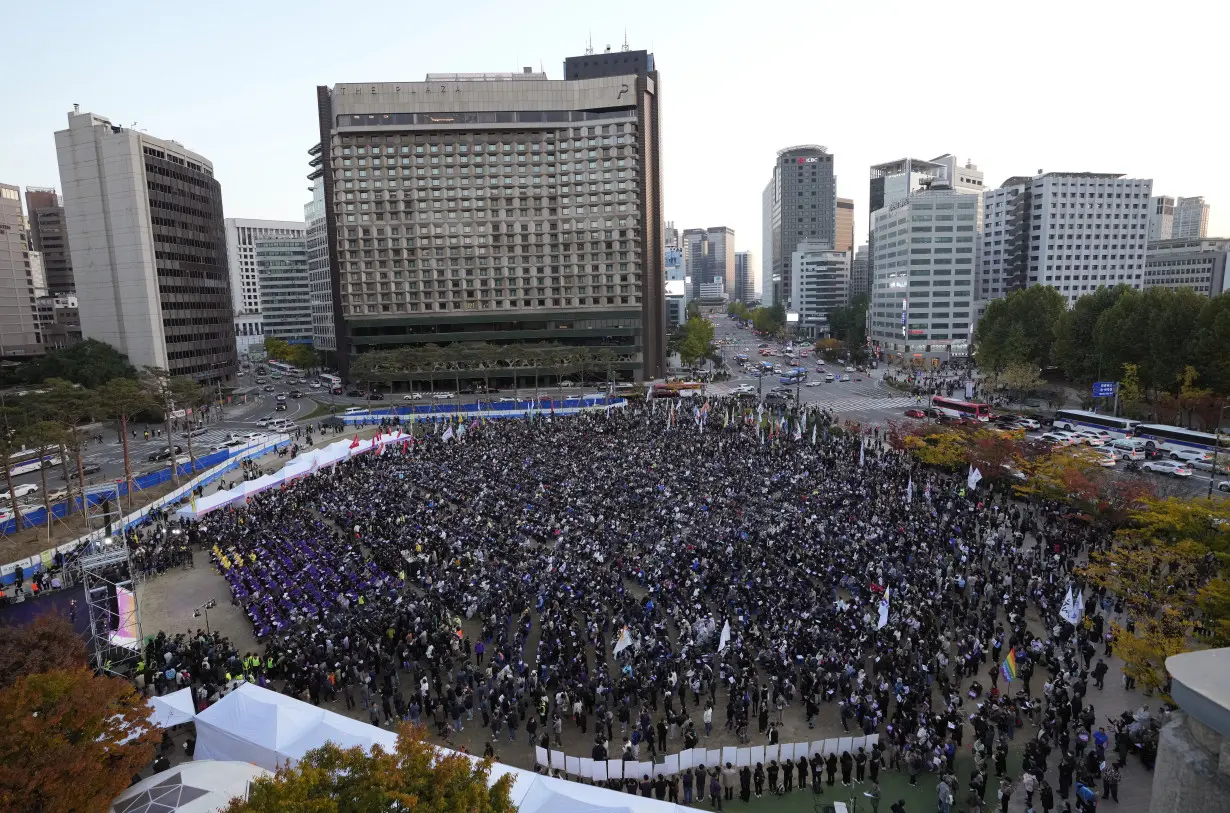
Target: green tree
123,398
698,342
69,405
1210,351
88,363
739,311
46,437
1021,378
415,778
1019,328
1075,331
1131,397
693,309
849,324
769,320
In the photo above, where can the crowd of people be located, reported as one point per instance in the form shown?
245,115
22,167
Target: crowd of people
568,582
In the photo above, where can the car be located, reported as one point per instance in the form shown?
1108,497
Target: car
849,369
567,384
1131,448
264,421
743,388
1190,455
195,433
1055,438
1224,485
296,393
19,491
812,384
1106,458
280,406
412,396
281,396
261,380
182,460
1090,437
829,378
845,378
163,454
269,388
1027,423
353,394
506,400
1071,437
86,470
444,396
375,396
1174,468
314,385
915,413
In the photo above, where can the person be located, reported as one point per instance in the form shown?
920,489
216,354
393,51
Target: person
1110,781
715,789
874,795
774,778
1099,674
745,783
729,776
898,806
1004,794
943,796
758,778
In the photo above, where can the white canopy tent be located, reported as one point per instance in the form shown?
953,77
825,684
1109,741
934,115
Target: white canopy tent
172,709
202,786
252,724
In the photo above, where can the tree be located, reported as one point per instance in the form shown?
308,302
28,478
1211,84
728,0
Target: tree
1021,378
849,324
69,405
123,398
1210,344
1019,328
698,341
1168,565
1190,397
1075,331
739,311
1131,398
70,741
416,777
189,396
692,311
1061,474
88,363
45,436
943,446
769,320
46,643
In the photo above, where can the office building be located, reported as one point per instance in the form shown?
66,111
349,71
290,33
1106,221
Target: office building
823,276
922,299
746,275
493,207
285,288
1074,231
1161,217
770,232
799,203
708,257
670,235
58,320
324,341
1195,263
1191,219
860,272
713,293
49,237
676,304
241,237
19,336
38,275
844,233
148,245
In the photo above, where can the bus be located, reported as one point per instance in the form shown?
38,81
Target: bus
795,375
960,409
330,380
1175,438
283,368
1078,418
28,461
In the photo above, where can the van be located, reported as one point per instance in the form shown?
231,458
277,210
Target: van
1130,448
355,411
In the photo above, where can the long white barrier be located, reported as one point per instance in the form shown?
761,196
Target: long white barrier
738,756
44,559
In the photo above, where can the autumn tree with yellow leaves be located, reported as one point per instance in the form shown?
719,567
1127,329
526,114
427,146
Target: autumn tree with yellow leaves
1169,566
415,777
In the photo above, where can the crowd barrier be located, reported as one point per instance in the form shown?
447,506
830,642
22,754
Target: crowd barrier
223,461
490,410
738,756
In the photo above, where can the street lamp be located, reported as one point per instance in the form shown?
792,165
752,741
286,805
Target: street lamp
1221,414
205,608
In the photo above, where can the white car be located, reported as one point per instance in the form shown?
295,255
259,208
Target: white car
314,385
1071,437
567,384
743,388
265,421
812,384
1130,449
1057,438
1090,437
1028,423
829,378
1224,485
413,396
444,396
1106,458
849,369
506,400
845,378
1191,455
1172,467
20,491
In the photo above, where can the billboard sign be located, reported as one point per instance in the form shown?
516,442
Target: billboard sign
1104,389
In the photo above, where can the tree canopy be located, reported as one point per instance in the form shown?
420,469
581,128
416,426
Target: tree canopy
1018,328
300,355
46,643
415,777
849,324
89,363
697,340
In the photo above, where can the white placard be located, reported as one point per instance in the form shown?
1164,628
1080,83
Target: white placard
572,766
587,767
685,760
729,754
557,760
757,756
770,753
540,756
644,769
873,739
600,774
743,756
786,752
843,745
615,768
817,747
713,758
671,764
859,742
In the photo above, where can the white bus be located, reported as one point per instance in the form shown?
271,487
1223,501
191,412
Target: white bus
1176,438
1079,419
27,461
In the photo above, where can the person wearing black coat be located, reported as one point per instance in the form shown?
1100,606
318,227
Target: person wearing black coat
817,774
1046,796
773,772
802,773
830,768
745,783
787,775
847,766
758,778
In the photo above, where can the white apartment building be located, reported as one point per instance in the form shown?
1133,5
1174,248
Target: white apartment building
922,298
1074,231
823,276
1161,217
241,237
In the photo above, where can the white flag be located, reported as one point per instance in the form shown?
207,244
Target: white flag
974,478
725,638
909,490
813,434
1068,611
883,611
862,447
448,434
625,641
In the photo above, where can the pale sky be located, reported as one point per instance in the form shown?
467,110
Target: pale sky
1128,87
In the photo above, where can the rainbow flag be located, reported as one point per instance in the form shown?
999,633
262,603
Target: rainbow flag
1009,666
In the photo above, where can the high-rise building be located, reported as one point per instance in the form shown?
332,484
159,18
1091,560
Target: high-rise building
1195,263
485,207
59,321
746,275
48,236
1161,217
324,340
823,276
800,203
19,336
670,235
922,299
845,225
709,257
1074,231
860,272
285,288
242,235
148,244
1191,219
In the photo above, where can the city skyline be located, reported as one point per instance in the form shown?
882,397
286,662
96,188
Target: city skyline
254,112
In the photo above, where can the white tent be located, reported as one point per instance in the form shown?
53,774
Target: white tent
172,709
202,786
543,796
342,732
253,725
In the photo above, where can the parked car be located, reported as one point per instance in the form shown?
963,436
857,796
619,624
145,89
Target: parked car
1191,455
915,413
1174,468
444,396
567,384
86,469
353,394
1056,439
1224,485
1027,423
163,454
19,491
412,396
1106,458
1090,437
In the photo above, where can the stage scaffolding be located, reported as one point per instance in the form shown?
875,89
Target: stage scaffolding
111,601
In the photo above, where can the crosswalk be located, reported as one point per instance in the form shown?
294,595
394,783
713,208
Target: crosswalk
140,449
834,397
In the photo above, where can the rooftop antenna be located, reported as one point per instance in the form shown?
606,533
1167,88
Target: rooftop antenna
625,48
589,47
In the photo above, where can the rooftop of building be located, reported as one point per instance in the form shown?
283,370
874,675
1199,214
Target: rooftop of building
1020,180
524,75
1200,243
1200,688
786,151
